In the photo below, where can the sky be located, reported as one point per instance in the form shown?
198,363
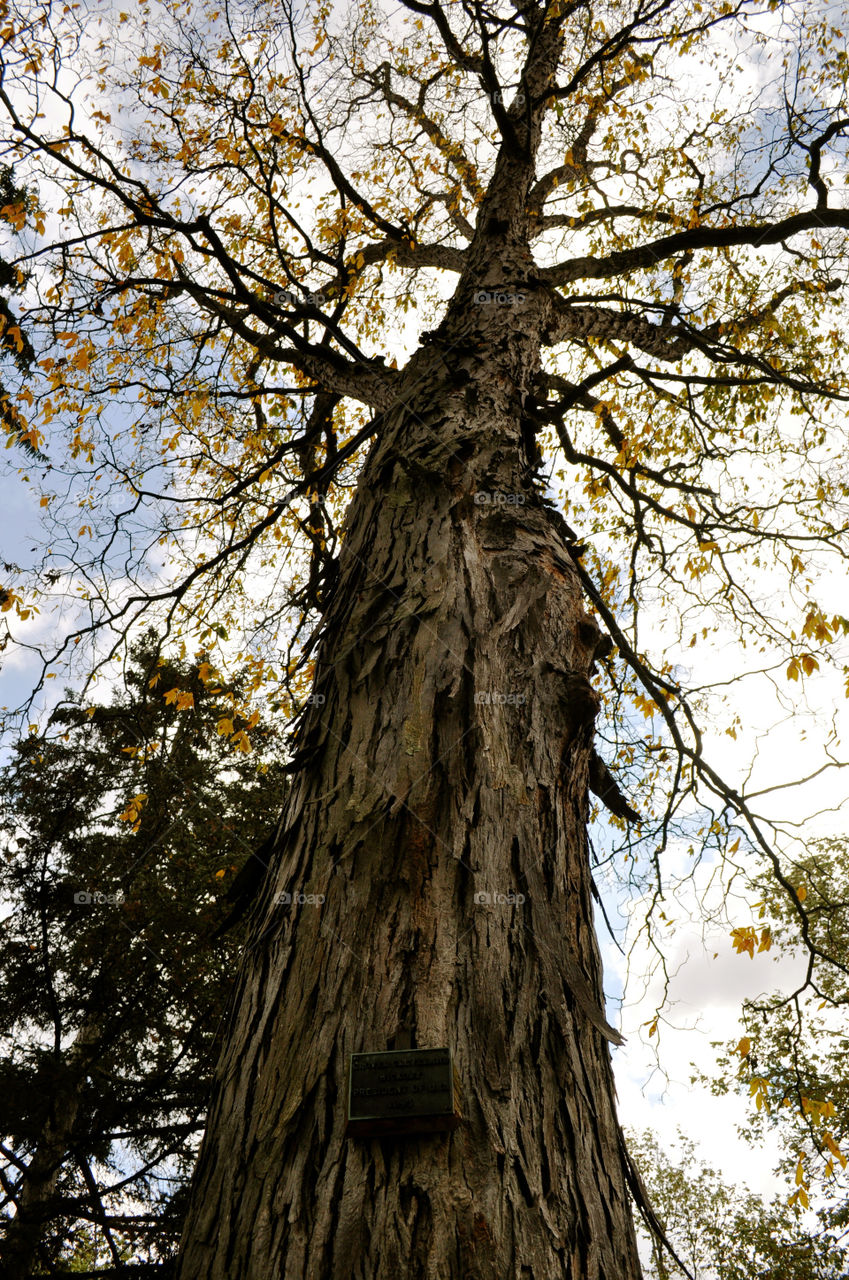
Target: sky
710,979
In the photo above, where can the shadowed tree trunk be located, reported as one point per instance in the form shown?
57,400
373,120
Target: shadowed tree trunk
445,755
38,1183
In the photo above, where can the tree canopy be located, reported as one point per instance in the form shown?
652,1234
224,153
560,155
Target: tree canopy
721,1231
237,210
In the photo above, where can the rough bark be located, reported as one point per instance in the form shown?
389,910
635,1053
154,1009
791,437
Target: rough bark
445,755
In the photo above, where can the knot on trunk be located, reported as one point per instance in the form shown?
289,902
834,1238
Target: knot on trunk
580,700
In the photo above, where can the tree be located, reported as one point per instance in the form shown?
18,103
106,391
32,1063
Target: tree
791,1060
724,1233
120,823
654,295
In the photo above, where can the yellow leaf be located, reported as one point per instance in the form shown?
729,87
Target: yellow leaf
744,940
744,1046
133,810
801,893
834,1149
759,1090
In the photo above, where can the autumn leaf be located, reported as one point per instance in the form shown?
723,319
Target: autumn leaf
744,940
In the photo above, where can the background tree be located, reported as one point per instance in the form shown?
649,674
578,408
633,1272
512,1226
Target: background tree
791,1059
121,822
723,1232
625,212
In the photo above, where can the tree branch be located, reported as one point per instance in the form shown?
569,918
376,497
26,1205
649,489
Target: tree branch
622,261
443,256
574,323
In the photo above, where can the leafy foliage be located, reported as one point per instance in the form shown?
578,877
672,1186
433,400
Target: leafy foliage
721,1232
792,1058
122,823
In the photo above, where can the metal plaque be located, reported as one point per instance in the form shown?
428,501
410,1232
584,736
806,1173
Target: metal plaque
402,1091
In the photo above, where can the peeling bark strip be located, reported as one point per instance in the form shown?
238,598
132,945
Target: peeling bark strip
448,760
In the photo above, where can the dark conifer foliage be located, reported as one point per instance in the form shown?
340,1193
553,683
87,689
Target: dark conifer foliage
122,827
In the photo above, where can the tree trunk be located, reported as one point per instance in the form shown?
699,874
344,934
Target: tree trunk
445,756
38,1182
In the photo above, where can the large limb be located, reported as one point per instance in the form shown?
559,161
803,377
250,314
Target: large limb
368,381
668,341
576,323
444,257
647,256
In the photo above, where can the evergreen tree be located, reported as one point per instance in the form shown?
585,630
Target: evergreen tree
122,824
